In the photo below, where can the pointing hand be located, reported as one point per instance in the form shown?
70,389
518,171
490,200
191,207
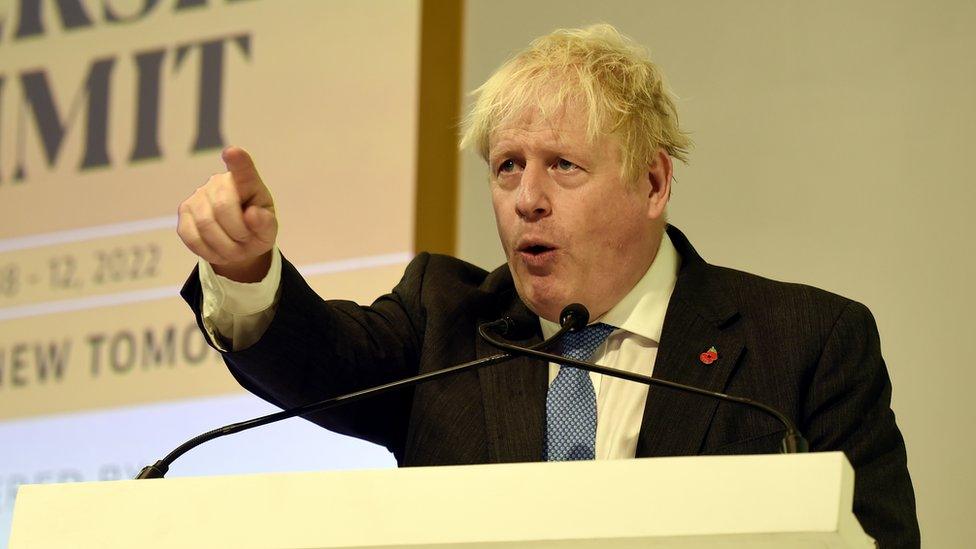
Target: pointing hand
230,221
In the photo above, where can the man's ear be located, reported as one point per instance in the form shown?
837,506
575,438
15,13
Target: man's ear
659,175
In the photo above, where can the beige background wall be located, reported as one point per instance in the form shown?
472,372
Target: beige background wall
834,142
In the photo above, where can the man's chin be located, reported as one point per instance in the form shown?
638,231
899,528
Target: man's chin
543,301
545,295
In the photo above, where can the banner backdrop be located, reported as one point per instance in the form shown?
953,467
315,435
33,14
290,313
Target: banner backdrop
111,113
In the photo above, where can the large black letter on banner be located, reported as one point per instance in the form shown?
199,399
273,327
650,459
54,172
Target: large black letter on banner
211,87
38,99
149,67
112,17
31,23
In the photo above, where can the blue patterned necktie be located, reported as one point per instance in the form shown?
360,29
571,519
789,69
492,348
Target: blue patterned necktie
571,401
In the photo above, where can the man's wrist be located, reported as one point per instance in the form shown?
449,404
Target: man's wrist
250,271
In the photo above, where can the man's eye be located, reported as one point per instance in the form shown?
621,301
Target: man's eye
507,166
564,165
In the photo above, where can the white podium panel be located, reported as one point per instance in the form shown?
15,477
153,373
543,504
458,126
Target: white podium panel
721,501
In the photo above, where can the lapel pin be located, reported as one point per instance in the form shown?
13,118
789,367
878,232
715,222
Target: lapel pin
709,356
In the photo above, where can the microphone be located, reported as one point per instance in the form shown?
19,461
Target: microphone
574,314
793,441
506,325
515,328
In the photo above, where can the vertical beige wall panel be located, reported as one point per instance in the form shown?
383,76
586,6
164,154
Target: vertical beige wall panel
833,147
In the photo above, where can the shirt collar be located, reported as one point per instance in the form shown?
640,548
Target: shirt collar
642,310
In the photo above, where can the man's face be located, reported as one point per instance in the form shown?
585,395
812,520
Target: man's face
572,229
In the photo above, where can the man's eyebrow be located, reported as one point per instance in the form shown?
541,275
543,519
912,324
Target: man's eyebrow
579,150
556,145
502,148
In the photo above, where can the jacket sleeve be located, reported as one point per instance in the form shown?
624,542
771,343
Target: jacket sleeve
848,408
315,349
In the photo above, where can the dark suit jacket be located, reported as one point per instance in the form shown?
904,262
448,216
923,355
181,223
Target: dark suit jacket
811,354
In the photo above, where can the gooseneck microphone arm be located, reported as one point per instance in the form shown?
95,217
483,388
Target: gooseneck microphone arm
793,441
503,326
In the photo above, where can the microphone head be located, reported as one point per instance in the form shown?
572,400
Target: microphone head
574,316
512,327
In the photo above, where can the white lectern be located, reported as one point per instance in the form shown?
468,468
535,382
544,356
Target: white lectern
722,501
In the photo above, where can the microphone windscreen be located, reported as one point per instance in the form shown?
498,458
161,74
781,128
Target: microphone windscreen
519,327
574,316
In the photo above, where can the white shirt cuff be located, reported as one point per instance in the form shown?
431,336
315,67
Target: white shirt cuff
236,314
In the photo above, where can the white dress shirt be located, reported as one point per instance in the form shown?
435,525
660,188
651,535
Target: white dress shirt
236,314
638,319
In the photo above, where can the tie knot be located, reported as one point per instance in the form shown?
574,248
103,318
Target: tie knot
582,343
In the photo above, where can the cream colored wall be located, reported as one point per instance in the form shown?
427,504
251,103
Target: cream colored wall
834,142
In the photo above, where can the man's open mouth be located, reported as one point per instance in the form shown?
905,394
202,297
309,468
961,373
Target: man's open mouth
536,249
536,254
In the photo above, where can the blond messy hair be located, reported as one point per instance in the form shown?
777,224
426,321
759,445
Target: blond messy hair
611,76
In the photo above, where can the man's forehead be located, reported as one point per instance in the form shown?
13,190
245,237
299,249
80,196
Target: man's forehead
566,126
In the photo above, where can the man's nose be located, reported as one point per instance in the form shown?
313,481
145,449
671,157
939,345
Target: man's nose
533,199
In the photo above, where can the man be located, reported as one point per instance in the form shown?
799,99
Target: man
578,132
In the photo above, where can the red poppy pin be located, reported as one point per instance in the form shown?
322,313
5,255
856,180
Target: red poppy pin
709,356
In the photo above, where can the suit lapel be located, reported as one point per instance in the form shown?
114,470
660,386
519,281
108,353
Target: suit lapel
699,317
514,395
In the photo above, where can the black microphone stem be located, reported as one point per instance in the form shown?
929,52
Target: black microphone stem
159,469
793,442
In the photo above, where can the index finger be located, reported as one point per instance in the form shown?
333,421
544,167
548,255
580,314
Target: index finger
241,169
